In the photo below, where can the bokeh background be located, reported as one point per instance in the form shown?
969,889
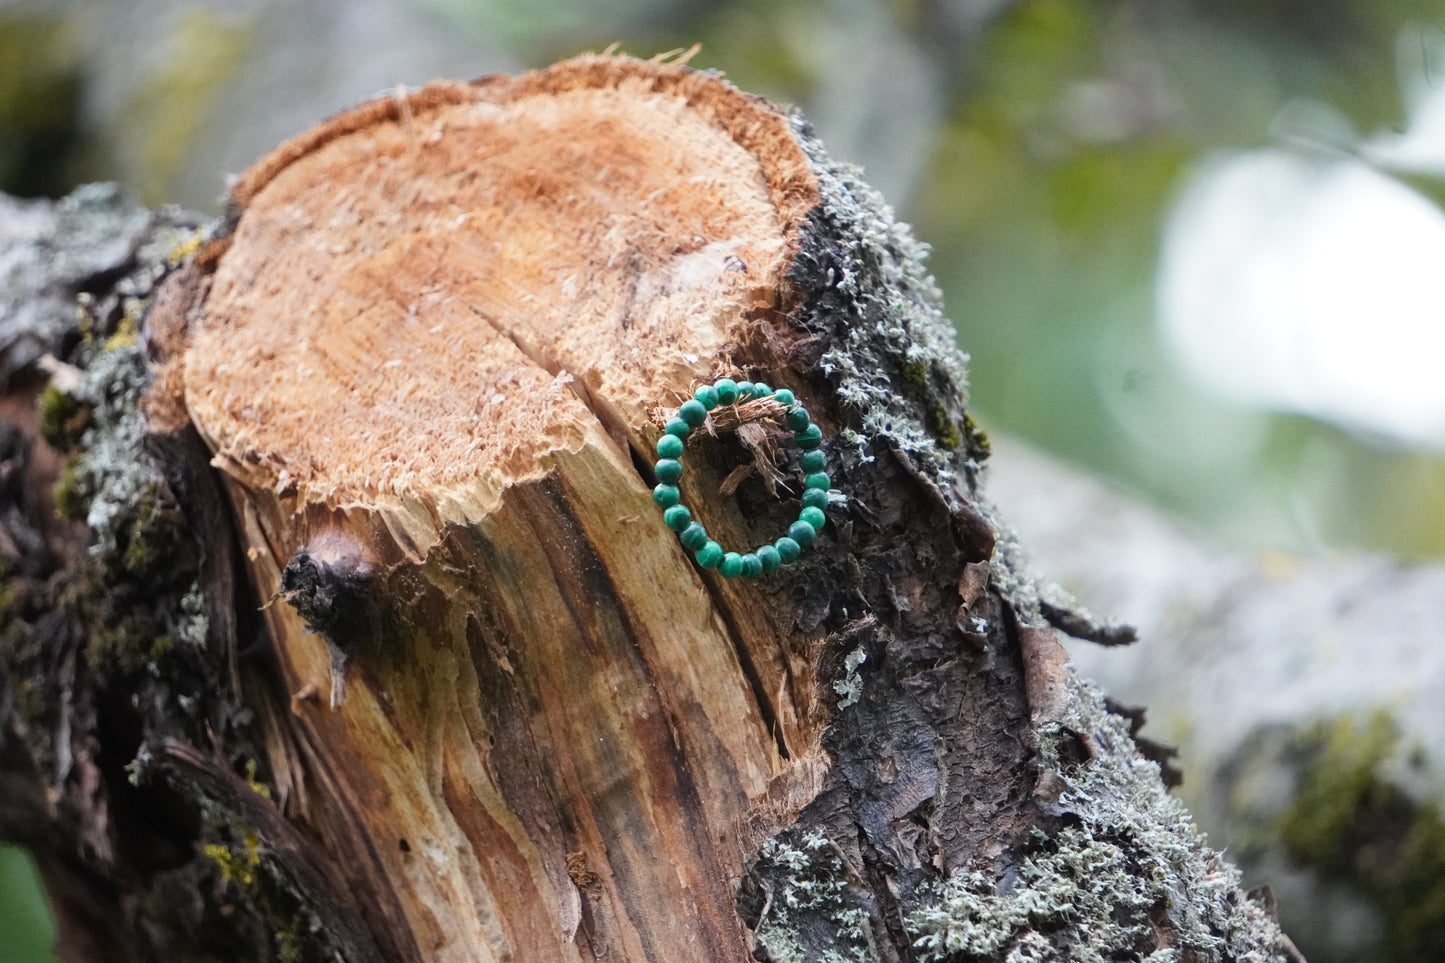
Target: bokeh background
1193,246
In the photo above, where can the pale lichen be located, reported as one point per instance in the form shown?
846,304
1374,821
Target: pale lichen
805,880
892,356
850,687
1127,867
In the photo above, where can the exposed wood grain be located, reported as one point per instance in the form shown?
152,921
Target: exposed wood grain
531,269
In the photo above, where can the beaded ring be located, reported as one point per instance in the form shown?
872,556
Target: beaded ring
694,537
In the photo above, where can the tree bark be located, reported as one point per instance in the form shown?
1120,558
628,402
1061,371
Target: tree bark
381,650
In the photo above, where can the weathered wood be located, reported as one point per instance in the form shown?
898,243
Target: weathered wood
429,353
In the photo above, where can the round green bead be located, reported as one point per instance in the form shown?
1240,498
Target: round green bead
784,396
677,517
709,555
666,496
731,565
815,498
813,516
802,533
745,390
818,480
693,537
727,391
811,461
810,438
678,427
706,395
670,446
761,390
668,470
770,558
693,412
752,566
788,550
798,418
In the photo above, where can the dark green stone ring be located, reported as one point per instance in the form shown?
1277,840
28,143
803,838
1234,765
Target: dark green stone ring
812,462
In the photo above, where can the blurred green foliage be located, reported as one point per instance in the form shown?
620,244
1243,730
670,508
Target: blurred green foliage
1351,822
40,89
26,933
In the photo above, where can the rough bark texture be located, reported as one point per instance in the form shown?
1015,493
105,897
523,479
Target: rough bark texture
549,735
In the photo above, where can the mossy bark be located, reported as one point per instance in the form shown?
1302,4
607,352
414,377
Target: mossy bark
935,785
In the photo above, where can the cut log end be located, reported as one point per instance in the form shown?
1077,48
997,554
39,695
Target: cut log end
504,263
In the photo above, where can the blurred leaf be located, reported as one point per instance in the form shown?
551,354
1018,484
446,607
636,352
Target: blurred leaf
26,933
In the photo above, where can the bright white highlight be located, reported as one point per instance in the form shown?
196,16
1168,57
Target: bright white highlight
1316,284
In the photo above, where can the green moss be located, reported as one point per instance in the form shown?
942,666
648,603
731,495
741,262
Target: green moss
240,858
1349,820
127,330
122,645
62,418
257,786
977,437
915,372
291,942
70,494
152,534
945,430
238,864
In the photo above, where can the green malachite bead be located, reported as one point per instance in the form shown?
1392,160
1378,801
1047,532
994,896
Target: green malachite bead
788,550
693,412
709,555
784,396
809,438
727,391
752,566
670,446
706,395
818,480
677,517
678,427
668,470
802,533
770,558
798,418
815,498
745,390
731,565
811,461
694,537
761,390
666,496
813,516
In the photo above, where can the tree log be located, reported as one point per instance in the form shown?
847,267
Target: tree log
440,684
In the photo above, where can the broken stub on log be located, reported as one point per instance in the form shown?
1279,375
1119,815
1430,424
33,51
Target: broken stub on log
431,352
